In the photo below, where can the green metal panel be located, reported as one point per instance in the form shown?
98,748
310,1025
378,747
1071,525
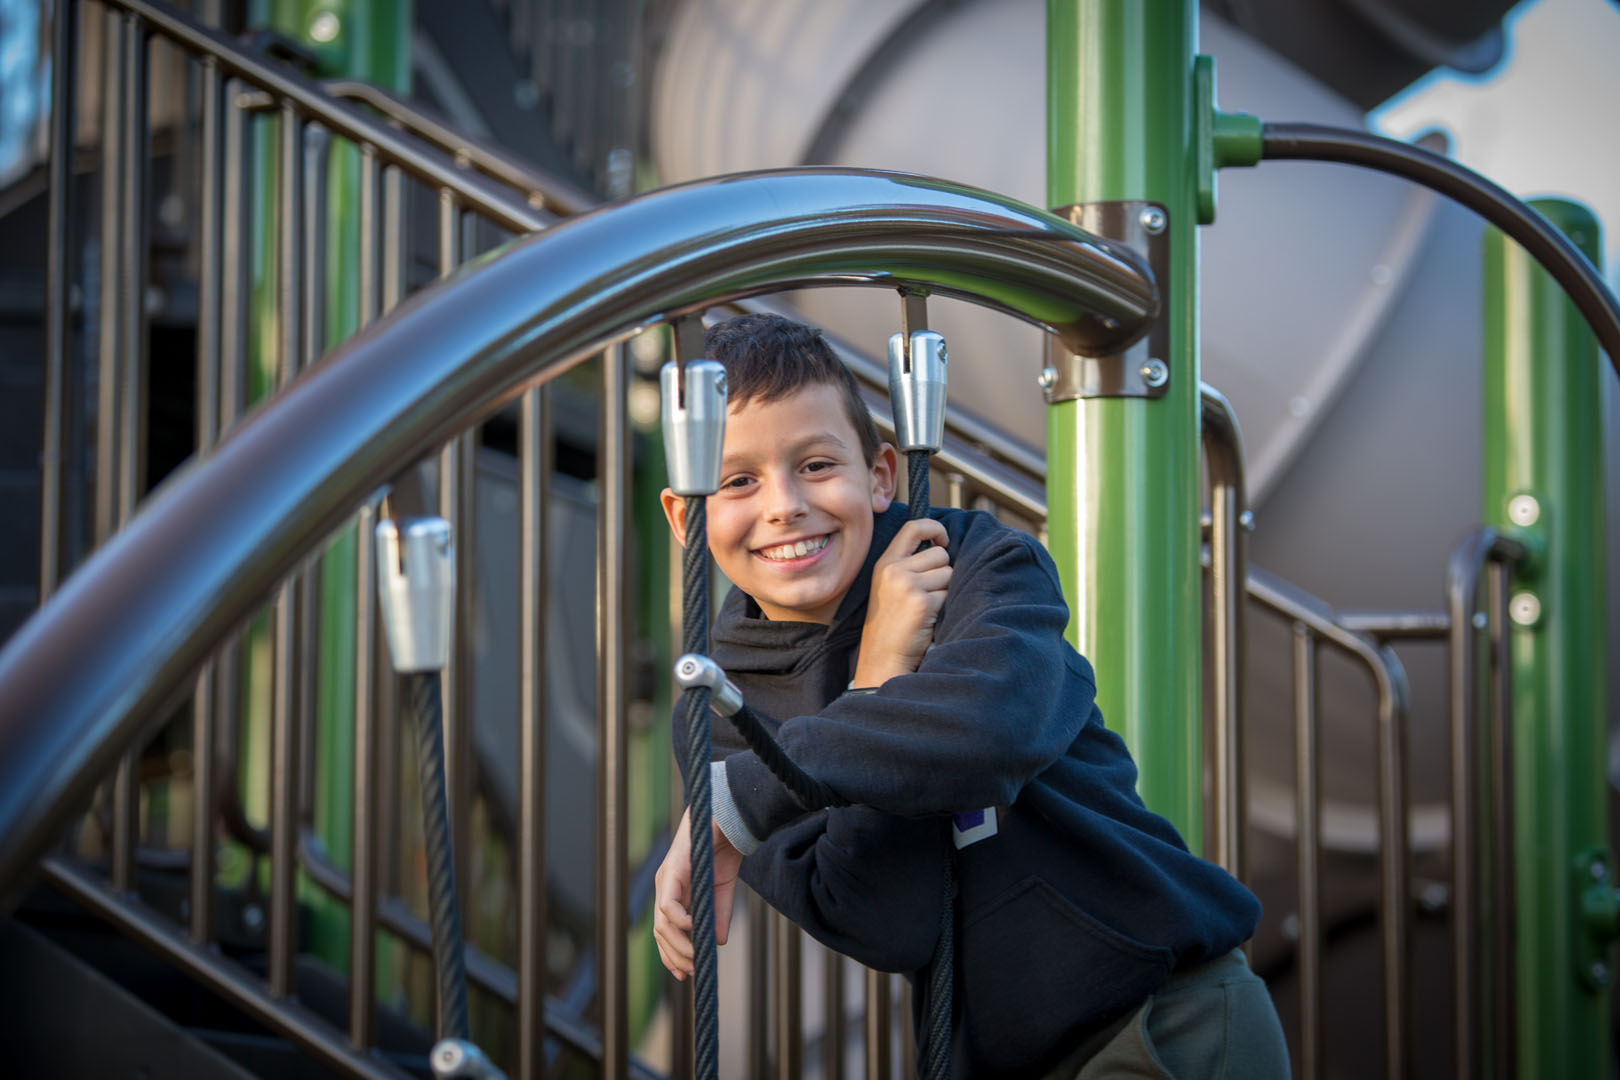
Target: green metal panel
369,40
1123,473
1544,442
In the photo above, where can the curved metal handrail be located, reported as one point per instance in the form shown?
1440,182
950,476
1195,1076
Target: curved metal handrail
119,640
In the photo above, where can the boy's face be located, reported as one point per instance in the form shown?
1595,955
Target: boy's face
792,521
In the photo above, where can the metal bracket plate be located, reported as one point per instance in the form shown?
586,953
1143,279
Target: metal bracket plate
1142,370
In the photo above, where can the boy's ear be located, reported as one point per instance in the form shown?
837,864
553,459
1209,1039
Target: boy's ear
885,464
675,514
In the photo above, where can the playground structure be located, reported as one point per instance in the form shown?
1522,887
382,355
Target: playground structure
126,641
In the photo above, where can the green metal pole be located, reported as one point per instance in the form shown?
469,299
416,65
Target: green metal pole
1543,479
1123,472
368,40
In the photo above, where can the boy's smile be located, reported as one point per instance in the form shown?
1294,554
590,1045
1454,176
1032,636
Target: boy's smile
792,521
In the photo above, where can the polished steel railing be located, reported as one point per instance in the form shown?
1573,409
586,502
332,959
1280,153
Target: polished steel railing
416,402
236,528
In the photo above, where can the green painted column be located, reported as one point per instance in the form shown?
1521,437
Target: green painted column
1123,473
1543,480
367,40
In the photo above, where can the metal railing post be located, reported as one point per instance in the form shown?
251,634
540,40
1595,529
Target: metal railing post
1123,471
1543,481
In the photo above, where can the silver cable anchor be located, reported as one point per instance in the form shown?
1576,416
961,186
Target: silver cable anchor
693,671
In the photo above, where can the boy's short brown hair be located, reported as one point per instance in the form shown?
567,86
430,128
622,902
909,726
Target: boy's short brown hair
769,357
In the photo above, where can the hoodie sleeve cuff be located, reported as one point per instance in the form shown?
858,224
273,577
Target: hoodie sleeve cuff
762,803
725,811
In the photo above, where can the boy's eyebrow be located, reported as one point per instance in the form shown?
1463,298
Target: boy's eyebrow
733,460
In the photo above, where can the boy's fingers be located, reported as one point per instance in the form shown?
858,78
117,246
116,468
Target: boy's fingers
913,533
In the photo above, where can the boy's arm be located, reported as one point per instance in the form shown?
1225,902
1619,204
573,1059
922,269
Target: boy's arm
977,721
864,884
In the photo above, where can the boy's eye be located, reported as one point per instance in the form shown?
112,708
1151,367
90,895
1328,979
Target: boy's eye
818,466
737,482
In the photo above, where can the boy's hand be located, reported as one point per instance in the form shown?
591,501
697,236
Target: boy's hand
908,589
672,891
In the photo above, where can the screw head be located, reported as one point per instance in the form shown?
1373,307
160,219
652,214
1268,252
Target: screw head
1047,378
1153,220
1525,608
325,27
1155,373
1524,510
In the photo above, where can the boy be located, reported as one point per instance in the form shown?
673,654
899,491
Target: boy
915,683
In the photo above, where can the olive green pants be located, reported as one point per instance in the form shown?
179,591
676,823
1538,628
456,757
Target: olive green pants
1211,1022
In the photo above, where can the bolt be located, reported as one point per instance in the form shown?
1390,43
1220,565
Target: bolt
1600,973
1047,378
1523,510
1153,220
1155,373
324,27
1525,608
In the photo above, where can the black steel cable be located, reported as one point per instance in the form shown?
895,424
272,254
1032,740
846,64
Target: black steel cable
935,1060
806,790
1549,247
449,949
695,639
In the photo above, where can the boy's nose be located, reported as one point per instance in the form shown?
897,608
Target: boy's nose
785,502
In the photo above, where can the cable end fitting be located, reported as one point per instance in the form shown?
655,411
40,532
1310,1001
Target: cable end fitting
458,1059
694,670
694,417
917,389
416,583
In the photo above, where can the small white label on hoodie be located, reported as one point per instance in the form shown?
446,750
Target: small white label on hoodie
971,826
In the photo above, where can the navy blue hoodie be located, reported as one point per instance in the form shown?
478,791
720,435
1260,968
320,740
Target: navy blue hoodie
1082,903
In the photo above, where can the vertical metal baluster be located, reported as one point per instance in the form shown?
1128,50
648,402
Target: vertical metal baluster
233,379
1308,846
1395,874
908,1033
1463,650
1505,914
123,479
61,387
395,252
112,246
832,1034
457,506
759,986
612,645
284,787
789,998
879,1052
317,143
955,490
1223,451
534,500
363,936
203,715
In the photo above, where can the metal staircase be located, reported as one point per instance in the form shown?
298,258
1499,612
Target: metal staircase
155,633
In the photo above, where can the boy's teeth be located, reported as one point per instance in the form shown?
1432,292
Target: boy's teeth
797,550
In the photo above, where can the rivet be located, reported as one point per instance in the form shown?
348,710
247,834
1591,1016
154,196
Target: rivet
324,27
1155,373
1153,220
1047,378
1524,510
1525,608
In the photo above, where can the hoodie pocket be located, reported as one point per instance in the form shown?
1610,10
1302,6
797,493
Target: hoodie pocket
1036,970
